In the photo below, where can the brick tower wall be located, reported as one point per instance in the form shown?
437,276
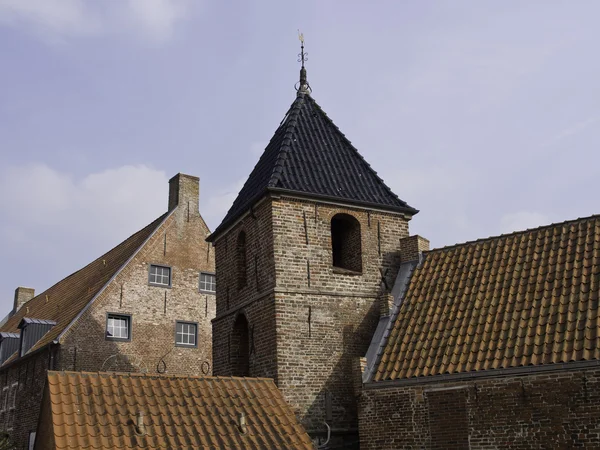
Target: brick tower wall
326,317
255,300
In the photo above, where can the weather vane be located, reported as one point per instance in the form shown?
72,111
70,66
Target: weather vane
302,87
302,57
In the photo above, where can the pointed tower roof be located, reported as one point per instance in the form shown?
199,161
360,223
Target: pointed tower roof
309,156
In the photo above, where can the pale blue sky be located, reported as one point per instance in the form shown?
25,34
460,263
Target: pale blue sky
485,115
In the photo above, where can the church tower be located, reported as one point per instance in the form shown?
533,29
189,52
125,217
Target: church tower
301,258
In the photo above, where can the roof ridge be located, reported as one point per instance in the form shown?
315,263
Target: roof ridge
349,142
157,375
515,233
290,121
159,219
73,293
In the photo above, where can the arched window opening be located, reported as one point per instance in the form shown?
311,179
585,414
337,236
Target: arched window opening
346,243
241,259
240,347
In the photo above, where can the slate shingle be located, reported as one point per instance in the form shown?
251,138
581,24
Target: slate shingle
525,299
310,156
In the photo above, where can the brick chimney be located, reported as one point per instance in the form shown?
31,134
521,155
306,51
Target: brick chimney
22,296
386,303
411,248
184,190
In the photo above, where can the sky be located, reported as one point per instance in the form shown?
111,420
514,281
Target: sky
485,116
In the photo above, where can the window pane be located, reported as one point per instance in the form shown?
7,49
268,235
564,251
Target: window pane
160,275
207,282
185,333
117,327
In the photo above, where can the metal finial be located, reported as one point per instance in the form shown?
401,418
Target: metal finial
302,87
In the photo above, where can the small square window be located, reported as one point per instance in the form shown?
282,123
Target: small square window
208,282
159,276
118,327
186,334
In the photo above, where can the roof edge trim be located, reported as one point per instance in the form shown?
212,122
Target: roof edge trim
515,233
103,288
338,200
491,373
226,226
401,284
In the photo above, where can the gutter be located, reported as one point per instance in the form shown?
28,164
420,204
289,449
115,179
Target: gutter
490,373
258,199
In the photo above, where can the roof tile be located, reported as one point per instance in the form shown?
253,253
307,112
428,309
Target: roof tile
62,302
179,412
523,299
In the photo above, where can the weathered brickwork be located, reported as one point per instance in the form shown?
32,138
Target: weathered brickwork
27,378
178,243
307,319
559,410
154,310
255,300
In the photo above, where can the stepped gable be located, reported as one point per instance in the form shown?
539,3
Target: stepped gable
66,299
524,299
308,155
178,412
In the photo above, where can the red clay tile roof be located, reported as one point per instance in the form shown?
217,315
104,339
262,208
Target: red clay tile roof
63,301
99,410
525,299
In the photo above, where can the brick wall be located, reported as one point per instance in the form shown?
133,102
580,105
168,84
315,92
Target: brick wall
411,247
29,375
308,320
255,300
557,410
180,244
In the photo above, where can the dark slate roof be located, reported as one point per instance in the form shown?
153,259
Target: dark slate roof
309,155
524,299
5,335
28,320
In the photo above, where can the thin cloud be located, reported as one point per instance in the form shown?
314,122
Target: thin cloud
58,20
572,130
101,207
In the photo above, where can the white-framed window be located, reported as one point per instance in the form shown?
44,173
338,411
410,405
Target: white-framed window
118,327
4,405
12,404
186,334
159,275
208,282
